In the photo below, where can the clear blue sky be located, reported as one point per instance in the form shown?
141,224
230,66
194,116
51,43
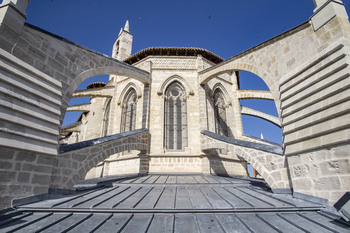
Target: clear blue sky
225,27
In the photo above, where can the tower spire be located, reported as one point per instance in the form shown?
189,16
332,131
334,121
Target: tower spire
126,27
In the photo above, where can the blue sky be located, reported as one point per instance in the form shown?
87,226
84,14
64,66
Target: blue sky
225,27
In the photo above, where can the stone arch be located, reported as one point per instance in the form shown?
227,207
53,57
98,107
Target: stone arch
170,80
228,99
126,89
270,166
255,113
267,160
77,159
272,84
114,67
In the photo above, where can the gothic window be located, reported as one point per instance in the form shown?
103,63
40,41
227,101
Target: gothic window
220,113
129,111
106,118
175,113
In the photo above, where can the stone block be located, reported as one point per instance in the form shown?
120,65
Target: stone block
341,151
4,165
40,190
41,179
302,184
23,177
7,176
26,156
327,183
7,154
20,190
341,166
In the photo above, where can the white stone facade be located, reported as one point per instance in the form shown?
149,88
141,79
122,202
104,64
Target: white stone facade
166,68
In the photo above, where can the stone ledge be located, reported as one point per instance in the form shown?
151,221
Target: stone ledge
80,145
263,147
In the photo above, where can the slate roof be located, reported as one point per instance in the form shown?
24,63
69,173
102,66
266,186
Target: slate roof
173,51
173,203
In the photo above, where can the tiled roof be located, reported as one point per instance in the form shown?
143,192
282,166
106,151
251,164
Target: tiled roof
173,203
173,51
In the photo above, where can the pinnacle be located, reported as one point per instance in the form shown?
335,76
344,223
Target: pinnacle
126,27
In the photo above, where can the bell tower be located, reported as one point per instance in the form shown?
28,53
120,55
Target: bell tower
122,46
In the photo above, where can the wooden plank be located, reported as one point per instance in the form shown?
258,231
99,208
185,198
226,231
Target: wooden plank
162,223
161,180
23,222
200,180
270,198
185,223
84,198
139,223
214,199
303,223
103,197
140,180
150,199
118,198
254,223
115,223
133,200
183,199
328,221
67,223
190,180
252,200
197,199
279,223
167,199
171,180
91,223
208,223
234,200
231,223
211,180
181,180
44,223
151,180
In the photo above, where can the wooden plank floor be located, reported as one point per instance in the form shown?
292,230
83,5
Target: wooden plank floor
173,203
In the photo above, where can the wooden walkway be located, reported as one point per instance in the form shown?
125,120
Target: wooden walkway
173,203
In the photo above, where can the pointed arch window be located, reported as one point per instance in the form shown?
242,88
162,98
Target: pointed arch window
106,118
129,111
220,113
175,113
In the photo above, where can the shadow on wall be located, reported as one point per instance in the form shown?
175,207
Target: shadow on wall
217,166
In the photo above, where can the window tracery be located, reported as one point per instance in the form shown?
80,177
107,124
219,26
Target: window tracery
129,111
175,113
220,113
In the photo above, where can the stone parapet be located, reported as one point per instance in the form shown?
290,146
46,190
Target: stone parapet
267,160
77,159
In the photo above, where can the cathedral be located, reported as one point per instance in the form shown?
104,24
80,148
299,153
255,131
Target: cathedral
175,114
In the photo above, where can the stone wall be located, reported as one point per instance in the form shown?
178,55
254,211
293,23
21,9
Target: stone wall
323,173
175,164
76,160
266,159
23,173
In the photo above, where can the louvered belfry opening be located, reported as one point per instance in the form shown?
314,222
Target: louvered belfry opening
220,113
175,112
129,111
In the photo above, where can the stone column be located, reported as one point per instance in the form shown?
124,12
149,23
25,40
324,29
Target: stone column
325,11
12,14
236,105
319,3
